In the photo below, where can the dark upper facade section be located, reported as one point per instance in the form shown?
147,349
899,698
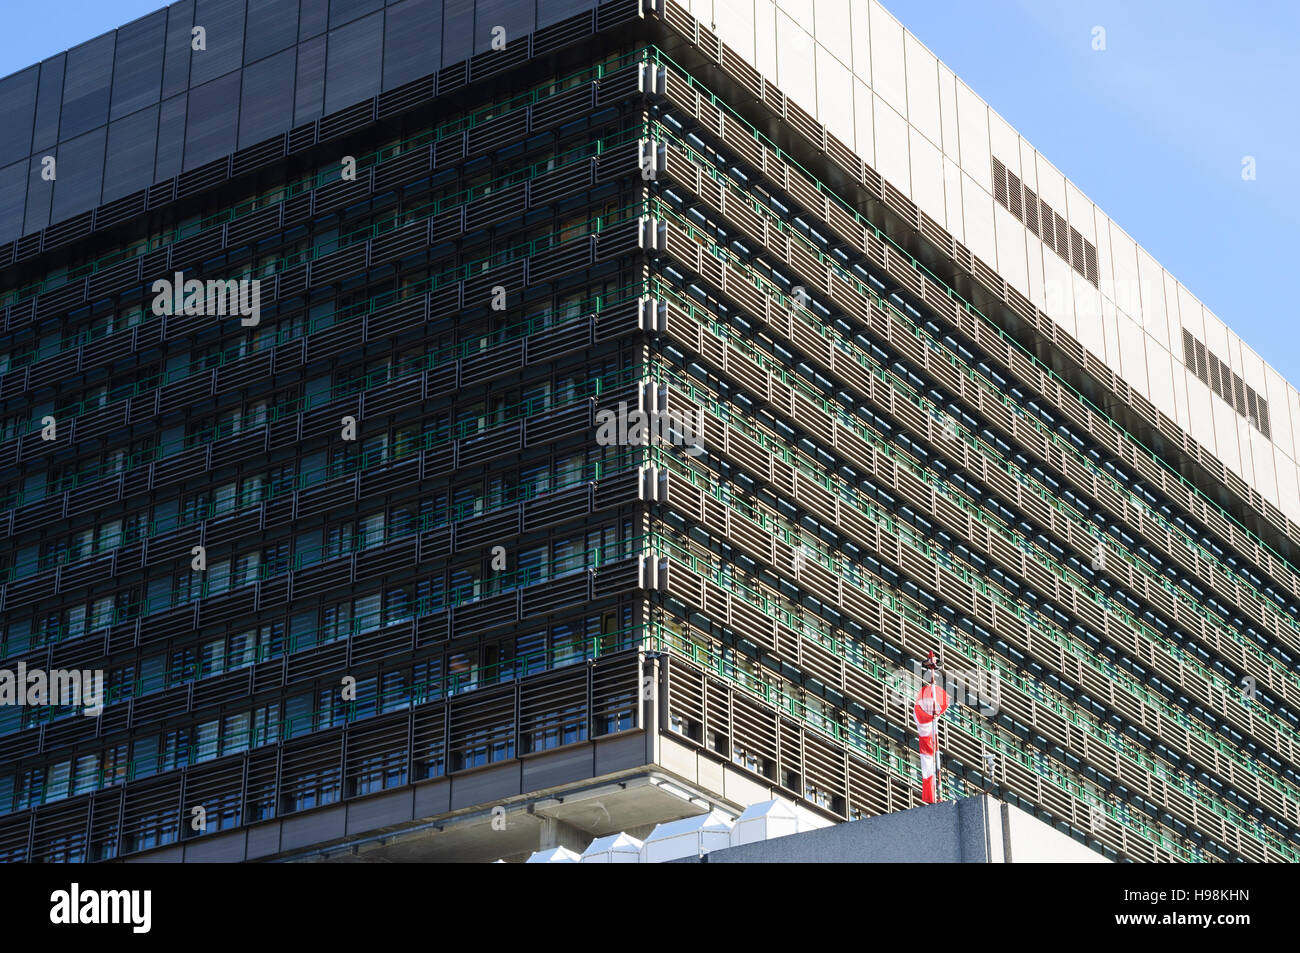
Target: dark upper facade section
138,105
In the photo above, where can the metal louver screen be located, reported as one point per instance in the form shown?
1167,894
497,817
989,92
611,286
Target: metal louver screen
1062,237
1069,243
1262,422
1076,250
1218,376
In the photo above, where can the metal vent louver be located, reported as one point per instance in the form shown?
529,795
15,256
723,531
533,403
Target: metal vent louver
1218,376
1039,217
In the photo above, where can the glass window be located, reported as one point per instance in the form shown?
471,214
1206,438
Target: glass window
353,60
796,68
412,41
138,65
87,86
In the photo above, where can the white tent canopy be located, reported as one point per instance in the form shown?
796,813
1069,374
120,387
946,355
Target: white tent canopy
689,837
556,855
764,821
613,849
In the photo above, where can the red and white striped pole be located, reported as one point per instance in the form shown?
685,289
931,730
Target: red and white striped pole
931,703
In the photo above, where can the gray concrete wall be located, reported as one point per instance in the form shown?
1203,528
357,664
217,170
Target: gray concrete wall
966,831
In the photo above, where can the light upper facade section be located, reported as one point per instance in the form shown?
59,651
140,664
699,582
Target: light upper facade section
874,85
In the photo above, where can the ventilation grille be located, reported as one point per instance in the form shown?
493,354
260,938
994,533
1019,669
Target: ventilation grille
1215,373
1044,222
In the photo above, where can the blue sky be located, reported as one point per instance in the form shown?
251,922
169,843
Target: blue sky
1153,129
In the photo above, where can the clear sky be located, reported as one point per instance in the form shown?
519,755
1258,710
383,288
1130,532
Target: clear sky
1153,128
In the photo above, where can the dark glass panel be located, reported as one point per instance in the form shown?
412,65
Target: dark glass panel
39,194
176,70
87,86
266,106
412,41
137,68
13,197
553,11
17,112
80,175
171,138
457,30
272,27
131,145
345,11
309,96
313,18
212,120
49,101
224,22
516,17
352,62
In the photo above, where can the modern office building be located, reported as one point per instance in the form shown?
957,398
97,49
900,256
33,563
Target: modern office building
388,565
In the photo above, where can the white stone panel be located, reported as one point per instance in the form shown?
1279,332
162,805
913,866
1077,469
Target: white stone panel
1201,413
834,29
1057,291
1004,142
860,16
862,112
765,38
977,208
835,95
923,90
735,22
1011,262
1081,212
952,195
1228,447
888,76
927,176
973,128
1087,316
948,112
796,71
1160,378
891,147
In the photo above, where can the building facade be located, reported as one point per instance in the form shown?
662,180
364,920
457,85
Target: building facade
609,440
